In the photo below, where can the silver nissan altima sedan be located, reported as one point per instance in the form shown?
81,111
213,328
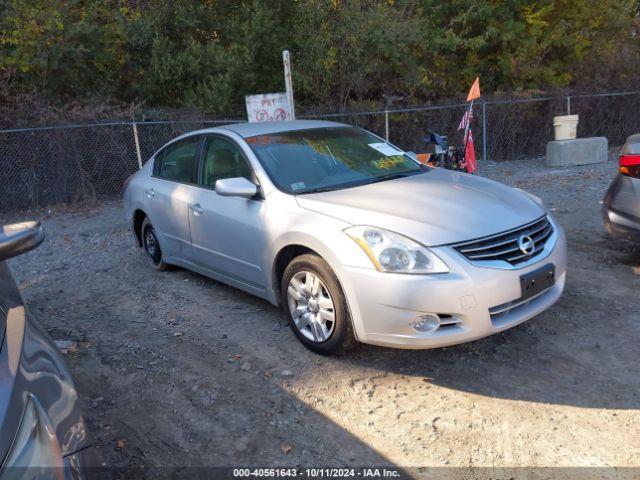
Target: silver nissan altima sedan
349,234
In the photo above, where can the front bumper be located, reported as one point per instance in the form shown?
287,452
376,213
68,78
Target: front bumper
475,301
621,208
620,225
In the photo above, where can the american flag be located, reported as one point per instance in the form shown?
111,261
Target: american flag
466,119
465,124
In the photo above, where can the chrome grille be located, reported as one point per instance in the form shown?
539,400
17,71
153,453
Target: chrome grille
508,307
510,312
504,246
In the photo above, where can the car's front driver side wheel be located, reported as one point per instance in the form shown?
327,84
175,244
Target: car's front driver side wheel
316,306
152,246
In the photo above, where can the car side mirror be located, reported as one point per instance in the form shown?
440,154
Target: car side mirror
19,238
236,187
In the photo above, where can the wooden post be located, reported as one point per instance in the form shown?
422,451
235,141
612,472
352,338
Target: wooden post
137,142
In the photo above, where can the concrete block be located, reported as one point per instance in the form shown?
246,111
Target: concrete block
581,151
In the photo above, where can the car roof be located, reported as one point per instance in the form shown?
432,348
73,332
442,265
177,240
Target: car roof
251,129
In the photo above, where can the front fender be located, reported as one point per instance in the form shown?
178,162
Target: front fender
327,239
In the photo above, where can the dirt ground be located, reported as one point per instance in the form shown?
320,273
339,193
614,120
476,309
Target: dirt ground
177,370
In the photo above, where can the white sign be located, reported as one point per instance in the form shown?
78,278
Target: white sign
268,107
288,83
386,149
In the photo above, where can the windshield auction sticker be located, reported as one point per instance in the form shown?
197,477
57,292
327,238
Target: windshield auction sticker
388,163
386,149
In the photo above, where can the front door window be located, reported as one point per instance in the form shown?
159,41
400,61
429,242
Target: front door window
222,160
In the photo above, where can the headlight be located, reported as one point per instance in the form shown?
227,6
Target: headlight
35,446
391,252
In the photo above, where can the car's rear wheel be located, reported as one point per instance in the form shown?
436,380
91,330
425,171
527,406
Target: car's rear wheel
316,306
152,246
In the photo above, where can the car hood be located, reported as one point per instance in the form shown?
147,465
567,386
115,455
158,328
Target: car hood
435,208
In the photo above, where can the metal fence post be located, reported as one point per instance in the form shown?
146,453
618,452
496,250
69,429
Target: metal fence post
386,125
568,105
484,131
137,142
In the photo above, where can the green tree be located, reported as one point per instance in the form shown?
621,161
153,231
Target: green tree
209,54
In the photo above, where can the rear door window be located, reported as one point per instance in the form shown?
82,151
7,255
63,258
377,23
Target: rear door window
178,161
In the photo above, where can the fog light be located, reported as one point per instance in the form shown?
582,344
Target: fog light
427,323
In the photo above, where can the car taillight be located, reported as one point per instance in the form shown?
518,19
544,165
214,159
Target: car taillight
630,165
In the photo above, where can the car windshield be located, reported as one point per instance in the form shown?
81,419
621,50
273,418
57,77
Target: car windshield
322,159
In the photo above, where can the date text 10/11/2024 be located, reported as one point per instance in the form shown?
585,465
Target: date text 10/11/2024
316,473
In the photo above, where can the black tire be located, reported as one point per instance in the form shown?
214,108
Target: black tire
341,337
151,246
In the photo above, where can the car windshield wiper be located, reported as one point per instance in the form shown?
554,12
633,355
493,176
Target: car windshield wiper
318,190
392,176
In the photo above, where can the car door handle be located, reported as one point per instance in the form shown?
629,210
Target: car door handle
197,209
150,192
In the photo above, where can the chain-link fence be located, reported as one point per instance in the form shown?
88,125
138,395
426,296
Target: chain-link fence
73,163
45,166
505,129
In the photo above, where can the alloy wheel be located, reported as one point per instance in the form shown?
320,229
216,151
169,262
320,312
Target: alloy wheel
151,245
311,306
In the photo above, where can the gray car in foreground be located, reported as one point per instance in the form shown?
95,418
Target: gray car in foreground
42,433
621,205
351,236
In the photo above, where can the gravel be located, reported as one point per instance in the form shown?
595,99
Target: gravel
175,369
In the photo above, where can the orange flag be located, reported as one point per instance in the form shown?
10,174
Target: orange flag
474,93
